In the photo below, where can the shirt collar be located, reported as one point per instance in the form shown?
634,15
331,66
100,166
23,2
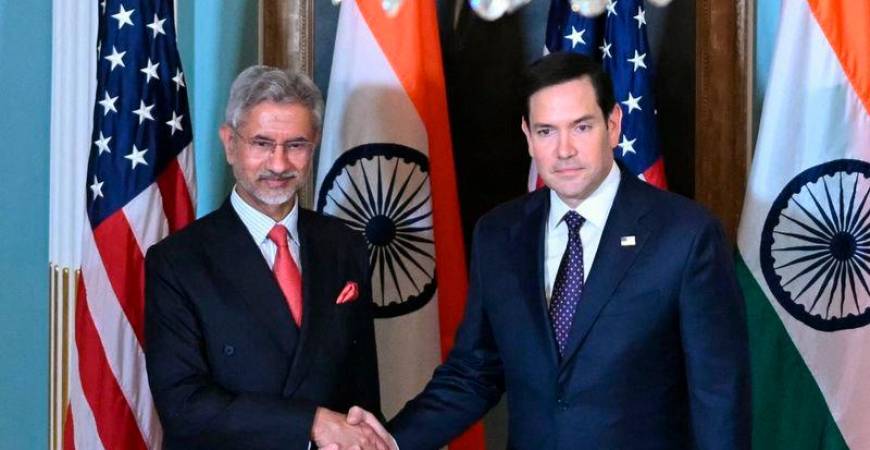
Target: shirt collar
259,224
594,209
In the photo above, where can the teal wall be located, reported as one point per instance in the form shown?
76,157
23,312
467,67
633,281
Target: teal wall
224,43
25,83
766,26
216,41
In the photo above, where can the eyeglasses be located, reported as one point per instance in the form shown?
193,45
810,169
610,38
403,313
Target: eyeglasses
266,146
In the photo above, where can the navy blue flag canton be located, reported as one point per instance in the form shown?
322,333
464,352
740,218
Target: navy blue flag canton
141,114
618,38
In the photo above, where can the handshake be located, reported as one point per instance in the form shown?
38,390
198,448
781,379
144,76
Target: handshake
358,430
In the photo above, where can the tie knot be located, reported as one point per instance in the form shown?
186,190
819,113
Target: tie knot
278,235
574,221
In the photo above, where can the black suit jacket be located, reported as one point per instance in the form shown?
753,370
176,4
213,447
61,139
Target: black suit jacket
228,367
657,355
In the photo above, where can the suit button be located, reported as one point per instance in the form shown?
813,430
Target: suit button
563,405
229,350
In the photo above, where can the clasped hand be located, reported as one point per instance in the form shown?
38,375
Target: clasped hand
359,430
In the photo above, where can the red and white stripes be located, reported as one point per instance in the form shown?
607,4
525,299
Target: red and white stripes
110,401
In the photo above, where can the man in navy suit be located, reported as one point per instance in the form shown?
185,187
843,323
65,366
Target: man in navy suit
258,320
606,309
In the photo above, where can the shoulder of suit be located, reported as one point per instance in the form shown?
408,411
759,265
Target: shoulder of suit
326,225
323,222
191,234
512,211
674,208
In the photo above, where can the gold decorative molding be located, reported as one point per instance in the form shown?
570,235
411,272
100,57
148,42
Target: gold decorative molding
287,34
53,438
723,109
287,40
63,283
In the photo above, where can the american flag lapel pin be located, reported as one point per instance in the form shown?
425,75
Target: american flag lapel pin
627,241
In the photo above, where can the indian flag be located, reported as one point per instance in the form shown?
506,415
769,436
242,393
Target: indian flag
804,237
386,170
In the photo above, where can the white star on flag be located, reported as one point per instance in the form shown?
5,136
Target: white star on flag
116,58
103,144
605,50
178,79
638,60
108,103
640,17
134,165
97,188
123,17
137,157
175,123
632,103
157,26
576,37
150,71
144,112
627,145
611,8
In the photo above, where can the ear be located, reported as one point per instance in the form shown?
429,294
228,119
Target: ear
528,134
614,125
226,135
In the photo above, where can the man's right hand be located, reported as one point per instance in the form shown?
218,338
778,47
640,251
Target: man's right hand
359,416
332,431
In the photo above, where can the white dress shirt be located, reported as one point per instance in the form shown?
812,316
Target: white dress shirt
259,225
595,209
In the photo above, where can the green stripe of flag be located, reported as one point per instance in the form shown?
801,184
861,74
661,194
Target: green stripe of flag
789,411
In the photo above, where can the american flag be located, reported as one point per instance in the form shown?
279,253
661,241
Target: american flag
618,38
140,187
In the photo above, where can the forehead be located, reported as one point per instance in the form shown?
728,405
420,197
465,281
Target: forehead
278,117
568,100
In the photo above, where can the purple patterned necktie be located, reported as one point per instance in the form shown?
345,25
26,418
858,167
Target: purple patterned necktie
568,288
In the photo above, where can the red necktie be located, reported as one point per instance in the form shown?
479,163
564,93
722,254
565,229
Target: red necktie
287,273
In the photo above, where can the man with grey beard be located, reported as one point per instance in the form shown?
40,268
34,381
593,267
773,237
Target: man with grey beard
258,317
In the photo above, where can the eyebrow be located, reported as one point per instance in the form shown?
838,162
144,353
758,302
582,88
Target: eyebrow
293,139
584,118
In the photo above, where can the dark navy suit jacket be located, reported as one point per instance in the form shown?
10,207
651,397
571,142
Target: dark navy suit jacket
657,355
227,365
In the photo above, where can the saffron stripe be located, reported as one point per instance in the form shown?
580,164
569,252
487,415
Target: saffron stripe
845,25
125,267
116,425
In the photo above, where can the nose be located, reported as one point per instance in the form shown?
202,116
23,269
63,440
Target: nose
566,148
279,161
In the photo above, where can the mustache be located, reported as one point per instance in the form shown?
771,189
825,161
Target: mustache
269,175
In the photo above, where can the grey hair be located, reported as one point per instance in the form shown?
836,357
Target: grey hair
258,84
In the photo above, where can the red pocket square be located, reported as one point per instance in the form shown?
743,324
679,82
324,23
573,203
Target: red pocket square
348,294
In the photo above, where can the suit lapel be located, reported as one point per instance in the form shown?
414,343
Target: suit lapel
242,264
612,259
318,267
527,240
